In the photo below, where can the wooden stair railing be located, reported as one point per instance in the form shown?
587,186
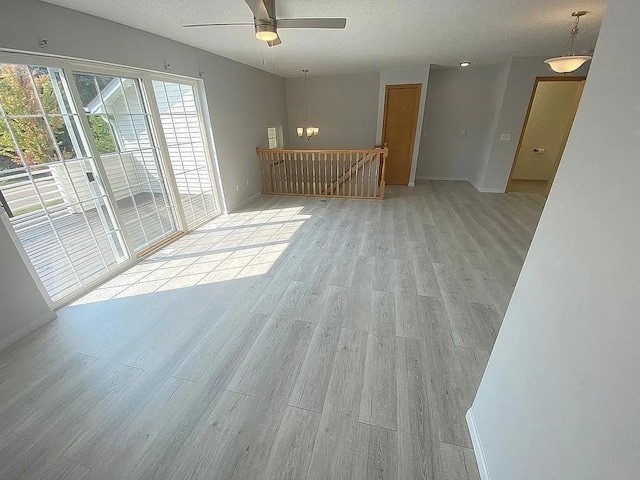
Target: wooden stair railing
324,173
361,162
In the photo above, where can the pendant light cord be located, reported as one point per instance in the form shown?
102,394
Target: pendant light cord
570,50
306,102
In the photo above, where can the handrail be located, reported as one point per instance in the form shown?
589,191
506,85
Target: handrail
326,173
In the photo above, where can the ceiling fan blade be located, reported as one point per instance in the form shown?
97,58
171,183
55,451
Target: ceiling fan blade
217,24
262,9
311,22
277,41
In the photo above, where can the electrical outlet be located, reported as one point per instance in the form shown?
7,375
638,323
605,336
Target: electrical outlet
247,182
237,188
505,137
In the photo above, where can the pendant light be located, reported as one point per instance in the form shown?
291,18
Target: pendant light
306,132
570,62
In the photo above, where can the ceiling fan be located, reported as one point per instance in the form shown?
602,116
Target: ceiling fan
266,24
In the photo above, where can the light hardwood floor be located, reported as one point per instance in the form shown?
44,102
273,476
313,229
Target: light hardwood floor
297,339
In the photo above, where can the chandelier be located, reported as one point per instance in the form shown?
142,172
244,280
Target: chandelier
306,132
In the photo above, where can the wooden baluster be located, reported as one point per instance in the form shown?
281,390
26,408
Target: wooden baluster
301,162
296,173
300,186
340,163
326,164
264,161
344,173
308,165
292,177
285,172
348,173
368,178
281,171
300,168
313,171
291,172
337,185
374,175
272,180
358,172
303,169
261,167
265,180
302,172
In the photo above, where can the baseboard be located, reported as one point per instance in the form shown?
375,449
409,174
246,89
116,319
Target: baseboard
477,446
448,179
489,190
245,202
27,329
486,190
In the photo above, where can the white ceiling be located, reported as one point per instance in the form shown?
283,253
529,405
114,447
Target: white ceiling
378,34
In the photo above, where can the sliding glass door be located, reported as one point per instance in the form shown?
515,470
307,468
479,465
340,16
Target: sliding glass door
121,128
51,188
98,165
183,131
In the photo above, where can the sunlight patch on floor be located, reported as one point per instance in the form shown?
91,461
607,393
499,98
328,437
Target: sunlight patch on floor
230,247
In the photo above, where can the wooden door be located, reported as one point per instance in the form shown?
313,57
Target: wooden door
553,106
399,130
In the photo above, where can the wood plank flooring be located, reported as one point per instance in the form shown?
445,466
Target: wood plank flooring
300,338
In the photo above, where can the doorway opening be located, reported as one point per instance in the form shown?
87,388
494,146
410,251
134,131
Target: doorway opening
552,108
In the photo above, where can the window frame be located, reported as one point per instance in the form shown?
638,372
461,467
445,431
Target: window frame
278,137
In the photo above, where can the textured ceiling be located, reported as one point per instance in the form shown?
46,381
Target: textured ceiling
378,34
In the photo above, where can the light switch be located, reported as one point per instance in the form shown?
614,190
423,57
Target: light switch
505,137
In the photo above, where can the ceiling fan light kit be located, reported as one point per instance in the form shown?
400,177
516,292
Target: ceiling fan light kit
266,23
569,61
266,32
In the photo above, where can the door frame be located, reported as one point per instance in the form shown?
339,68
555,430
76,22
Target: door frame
414,127
526,122
69,65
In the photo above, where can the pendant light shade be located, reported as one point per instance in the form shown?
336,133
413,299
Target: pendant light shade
570,62
567,64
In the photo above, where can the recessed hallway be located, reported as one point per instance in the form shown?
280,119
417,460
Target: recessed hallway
299,338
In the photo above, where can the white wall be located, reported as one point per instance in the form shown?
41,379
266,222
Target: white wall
343,107
398,76
459,100
517,94
560,395
243,100
22,306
